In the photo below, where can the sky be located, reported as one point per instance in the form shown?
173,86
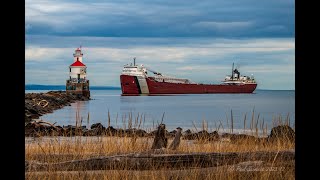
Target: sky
191,39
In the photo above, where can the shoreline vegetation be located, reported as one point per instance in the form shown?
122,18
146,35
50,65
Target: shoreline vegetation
98,152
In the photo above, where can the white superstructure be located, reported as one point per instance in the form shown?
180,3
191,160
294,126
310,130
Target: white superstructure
236,78
142,71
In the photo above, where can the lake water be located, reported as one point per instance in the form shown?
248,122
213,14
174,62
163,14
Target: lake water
185,111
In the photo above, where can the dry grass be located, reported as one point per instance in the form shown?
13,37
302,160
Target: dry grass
85,147
57,149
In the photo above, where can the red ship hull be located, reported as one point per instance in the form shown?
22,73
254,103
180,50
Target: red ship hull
131,85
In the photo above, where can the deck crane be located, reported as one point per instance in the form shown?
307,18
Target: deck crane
154,72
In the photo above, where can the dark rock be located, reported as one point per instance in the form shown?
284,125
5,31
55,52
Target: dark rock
121,133
202,135
98,129
283,133
242,137
141,133
98,126
71,130
188,131
92,132
135,132
214,136
226,135
110,131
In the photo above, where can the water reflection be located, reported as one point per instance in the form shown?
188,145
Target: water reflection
180,110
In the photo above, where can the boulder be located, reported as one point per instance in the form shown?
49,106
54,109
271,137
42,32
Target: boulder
283,133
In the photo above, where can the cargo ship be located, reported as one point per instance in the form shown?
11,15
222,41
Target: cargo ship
135,80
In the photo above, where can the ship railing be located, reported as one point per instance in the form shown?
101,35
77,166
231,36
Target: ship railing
173,81
75,80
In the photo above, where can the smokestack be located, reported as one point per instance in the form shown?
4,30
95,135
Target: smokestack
134,61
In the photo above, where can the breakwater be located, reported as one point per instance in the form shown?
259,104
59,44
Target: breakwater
38,104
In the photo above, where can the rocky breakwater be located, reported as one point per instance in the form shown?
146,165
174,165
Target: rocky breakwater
38,104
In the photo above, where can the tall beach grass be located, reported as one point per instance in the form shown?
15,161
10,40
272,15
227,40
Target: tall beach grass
57,149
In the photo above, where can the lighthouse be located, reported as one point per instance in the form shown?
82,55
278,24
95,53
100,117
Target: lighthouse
78,83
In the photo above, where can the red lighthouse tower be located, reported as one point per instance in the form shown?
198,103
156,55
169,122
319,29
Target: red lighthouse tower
78,83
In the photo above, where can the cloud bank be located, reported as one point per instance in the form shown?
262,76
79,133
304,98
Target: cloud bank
198,40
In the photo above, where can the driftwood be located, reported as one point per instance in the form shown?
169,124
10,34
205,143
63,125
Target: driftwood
151,161
160,139
45,122
176,141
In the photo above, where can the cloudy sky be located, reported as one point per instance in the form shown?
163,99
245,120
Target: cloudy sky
192,39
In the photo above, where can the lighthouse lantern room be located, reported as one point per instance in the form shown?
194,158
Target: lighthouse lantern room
78,83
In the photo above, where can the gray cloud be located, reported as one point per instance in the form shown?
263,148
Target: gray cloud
186,38
246,18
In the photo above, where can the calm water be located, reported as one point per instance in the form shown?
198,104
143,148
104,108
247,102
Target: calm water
186,111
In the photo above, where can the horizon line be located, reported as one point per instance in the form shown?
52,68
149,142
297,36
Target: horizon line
118,87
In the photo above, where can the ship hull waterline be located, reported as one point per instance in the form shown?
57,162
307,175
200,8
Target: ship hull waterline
131,85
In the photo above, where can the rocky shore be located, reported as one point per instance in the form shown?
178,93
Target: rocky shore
38,104
41,128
